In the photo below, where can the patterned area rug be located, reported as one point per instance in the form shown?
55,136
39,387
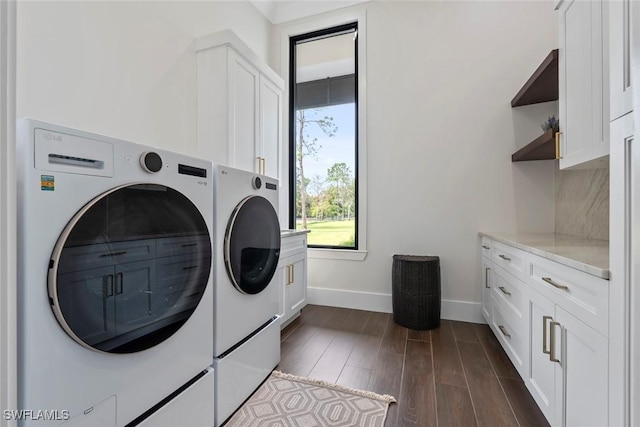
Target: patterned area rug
285,400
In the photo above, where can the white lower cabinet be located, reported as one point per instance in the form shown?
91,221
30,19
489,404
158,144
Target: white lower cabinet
292,276
553,329
487,309
568,370
583,368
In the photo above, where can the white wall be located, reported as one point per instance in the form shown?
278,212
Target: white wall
8,338
440,78
123,69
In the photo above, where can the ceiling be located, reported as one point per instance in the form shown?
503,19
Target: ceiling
279,11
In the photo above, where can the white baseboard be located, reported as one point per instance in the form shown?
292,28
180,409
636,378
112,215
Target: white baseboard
464,311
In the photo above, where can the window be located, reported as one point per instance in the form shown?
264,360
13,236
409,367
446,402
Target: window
323,125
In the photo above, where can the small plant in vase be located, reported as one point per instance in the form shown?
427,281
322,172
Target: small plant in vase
551,123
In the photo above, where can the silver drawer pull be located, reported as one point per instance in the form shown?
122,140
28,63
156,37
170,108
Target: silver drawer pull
110,254
504,331
504,291
552,333
554,284
545,350
506,258
486,247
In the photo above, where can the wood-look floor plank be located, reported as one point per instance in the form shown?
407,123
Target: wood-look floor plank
330,364
386,378
464,331
376,324
419,335
354,377
454,406
446,360
498,358
525,408
417,403
307,310
356,321
303,361
337,318
489,401
394,339
366,348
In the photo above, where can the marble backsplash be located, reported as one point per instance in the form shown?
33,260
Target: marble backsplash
582,203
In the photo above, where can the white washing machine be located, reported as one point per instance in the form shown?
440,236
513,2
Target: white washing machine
247,249
115,285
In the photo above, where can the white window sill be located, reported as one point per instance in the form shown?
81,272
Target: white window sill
342,254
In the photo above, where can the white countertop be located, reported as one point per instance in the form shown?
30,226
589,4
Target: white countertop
588,255
289,233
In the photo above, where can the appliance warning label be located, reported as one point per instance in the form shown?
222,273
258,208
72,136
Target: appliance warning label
47,183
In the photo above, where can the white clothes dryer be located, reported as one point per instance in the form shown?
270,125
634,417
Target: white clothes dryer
115,310
246,300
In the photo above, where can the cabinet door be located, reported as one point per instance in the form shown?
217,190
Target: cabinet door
270,126
583,370
296,284
88,303
243,113
279,278
541,378
133,293
621,101
487,282
581,76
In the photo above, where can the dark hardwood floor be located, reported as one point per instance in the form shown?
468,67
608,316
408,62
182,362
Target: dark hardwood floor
455,375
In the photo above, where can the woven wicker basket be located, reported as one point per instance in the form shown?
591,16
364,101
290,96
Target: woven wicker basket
416,291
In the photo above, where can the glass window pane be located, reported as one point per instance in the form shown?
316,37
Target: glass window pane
325,140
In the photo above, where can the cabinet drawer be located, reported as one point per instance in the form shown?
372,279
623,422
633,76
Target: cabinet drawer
183,245
510,293
80,258
292,245
581,294
485,247
511,259
512,336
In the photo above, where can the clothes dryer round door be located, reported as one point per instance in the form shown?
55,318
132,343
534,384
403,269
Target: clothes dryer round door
252,245
130,268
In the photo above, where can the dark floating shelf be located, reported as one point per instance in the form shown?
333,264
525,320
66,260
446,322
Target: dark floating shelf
541,148
542,86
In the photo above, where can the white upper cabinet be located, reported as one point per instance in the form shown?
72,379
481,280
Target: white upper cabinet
621,101
239,106
583,84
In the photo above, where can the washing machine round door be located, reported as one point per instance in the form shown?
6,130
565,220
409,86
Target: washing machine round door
252,245
130,268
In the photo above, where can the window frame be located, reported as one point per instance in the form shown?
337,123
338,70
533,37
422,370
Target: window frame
320,23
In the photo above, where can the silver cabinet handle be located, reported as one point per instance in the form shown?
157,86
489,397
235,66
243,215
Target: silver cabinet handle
554,284
544,334
108,285
504,331
261,165
486,247
119,284
504,291
486,277
552,333
293,274
290,278
506,258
